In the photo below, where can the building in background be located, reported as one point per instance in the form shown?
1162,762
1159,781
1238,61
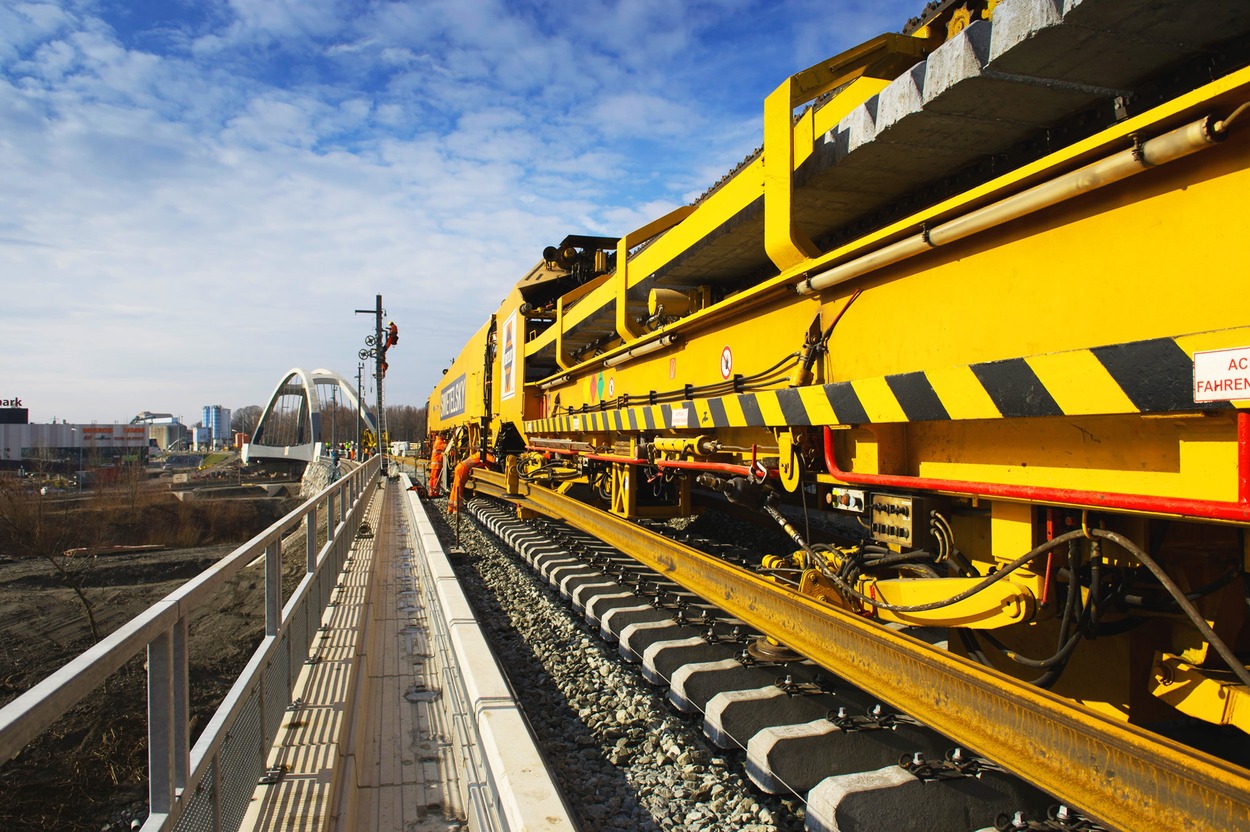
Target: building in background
63,448
14,415
201,439
217,420
165,431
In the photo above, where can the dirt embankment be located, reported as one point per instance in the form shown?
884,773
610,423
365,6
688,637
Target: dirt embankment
87,772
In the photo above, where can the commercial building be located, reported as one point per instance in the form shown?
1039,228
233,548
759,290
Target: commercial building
164,430
217,420
63,448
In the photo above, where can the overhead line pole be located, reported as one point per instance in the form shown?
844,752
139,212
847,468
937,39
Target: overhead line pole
377,368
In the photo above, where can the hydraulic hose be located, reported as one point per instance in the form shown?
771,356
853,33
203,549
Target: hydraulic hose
1141,602
1070,631
1191,612
1217,643
989,581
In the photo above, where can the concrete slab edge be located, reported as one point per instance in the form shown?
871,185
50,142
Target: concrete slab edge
527,796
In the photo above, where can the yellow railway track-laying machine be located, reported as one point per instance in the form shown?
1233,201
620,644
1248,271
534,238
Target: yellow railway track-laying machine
981,299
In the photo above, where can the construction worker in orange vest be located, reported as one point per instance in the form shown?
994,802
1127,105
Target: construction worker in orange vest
454,502
436,463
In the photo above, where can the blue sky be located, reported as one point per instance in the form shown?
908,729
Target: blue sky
196,194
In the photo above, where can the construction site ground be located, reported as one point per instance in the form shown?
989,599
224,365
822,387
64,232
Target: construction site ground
88,771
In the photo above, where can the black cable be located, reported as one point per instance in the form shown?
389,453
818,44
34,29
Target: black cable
1230,658
1070,631
1141,602
954,556
1219,645
1044,681
550,472
763,378
897,558
1034,553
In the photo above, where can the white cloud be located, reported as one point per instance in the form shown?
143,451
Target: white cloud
290,18
25,24
645,116
273,120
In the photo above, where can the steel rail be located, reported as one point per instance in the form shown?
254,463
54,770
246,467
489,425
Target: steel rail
1119,774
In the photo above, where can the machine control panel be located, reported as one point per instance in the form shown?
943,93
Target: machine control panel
895,519
846,499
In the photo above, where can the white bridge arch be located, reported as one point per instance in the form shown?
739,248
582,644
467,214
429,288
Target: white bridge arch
289,429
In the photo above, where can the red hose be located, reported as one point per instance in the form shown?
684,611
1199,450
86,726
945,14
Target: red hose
561,451
718,467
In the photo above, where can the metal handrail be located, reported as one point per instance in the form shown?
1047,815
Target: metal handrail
178,774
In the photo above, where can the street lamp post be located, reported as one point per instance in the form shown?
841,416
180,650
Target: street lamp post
360,394
78,478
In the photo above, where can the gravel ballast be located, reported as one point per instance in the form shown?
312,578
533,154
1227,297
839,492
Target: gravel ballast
625,758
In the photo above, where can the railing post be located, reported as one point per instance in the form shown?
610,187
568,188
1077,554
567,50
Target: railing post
273,587
181,705
330,516
160,724
310,538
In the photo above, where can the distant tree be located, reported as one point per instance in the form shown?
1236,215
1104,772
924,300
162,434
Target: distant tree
338,421
405,422
244,419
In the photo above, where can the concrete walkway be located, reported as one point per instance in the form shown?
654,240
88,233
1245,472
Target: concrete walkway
399,722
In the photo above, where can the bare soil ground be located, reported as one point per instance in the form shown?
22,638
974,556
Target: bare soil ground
89,770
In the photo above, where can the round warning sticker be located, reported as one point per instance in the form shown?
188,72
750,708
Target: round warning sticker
726,363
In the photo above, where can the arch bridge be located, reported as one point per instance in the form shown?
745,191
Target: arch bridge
291,433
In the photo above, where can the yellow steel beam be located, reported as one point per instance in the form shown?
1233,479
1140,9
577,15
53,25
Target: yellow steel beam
562,358
1122,775
1197,692
885,56
786,245
786,145
862,72
625,327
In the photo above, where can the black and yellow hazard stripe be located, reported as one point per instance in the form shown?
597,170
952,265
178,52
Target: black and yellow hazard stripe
1151,376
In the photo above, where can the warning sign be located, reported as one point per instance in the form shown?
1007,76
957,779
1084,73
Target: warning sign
1222,375
508,388
726,363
